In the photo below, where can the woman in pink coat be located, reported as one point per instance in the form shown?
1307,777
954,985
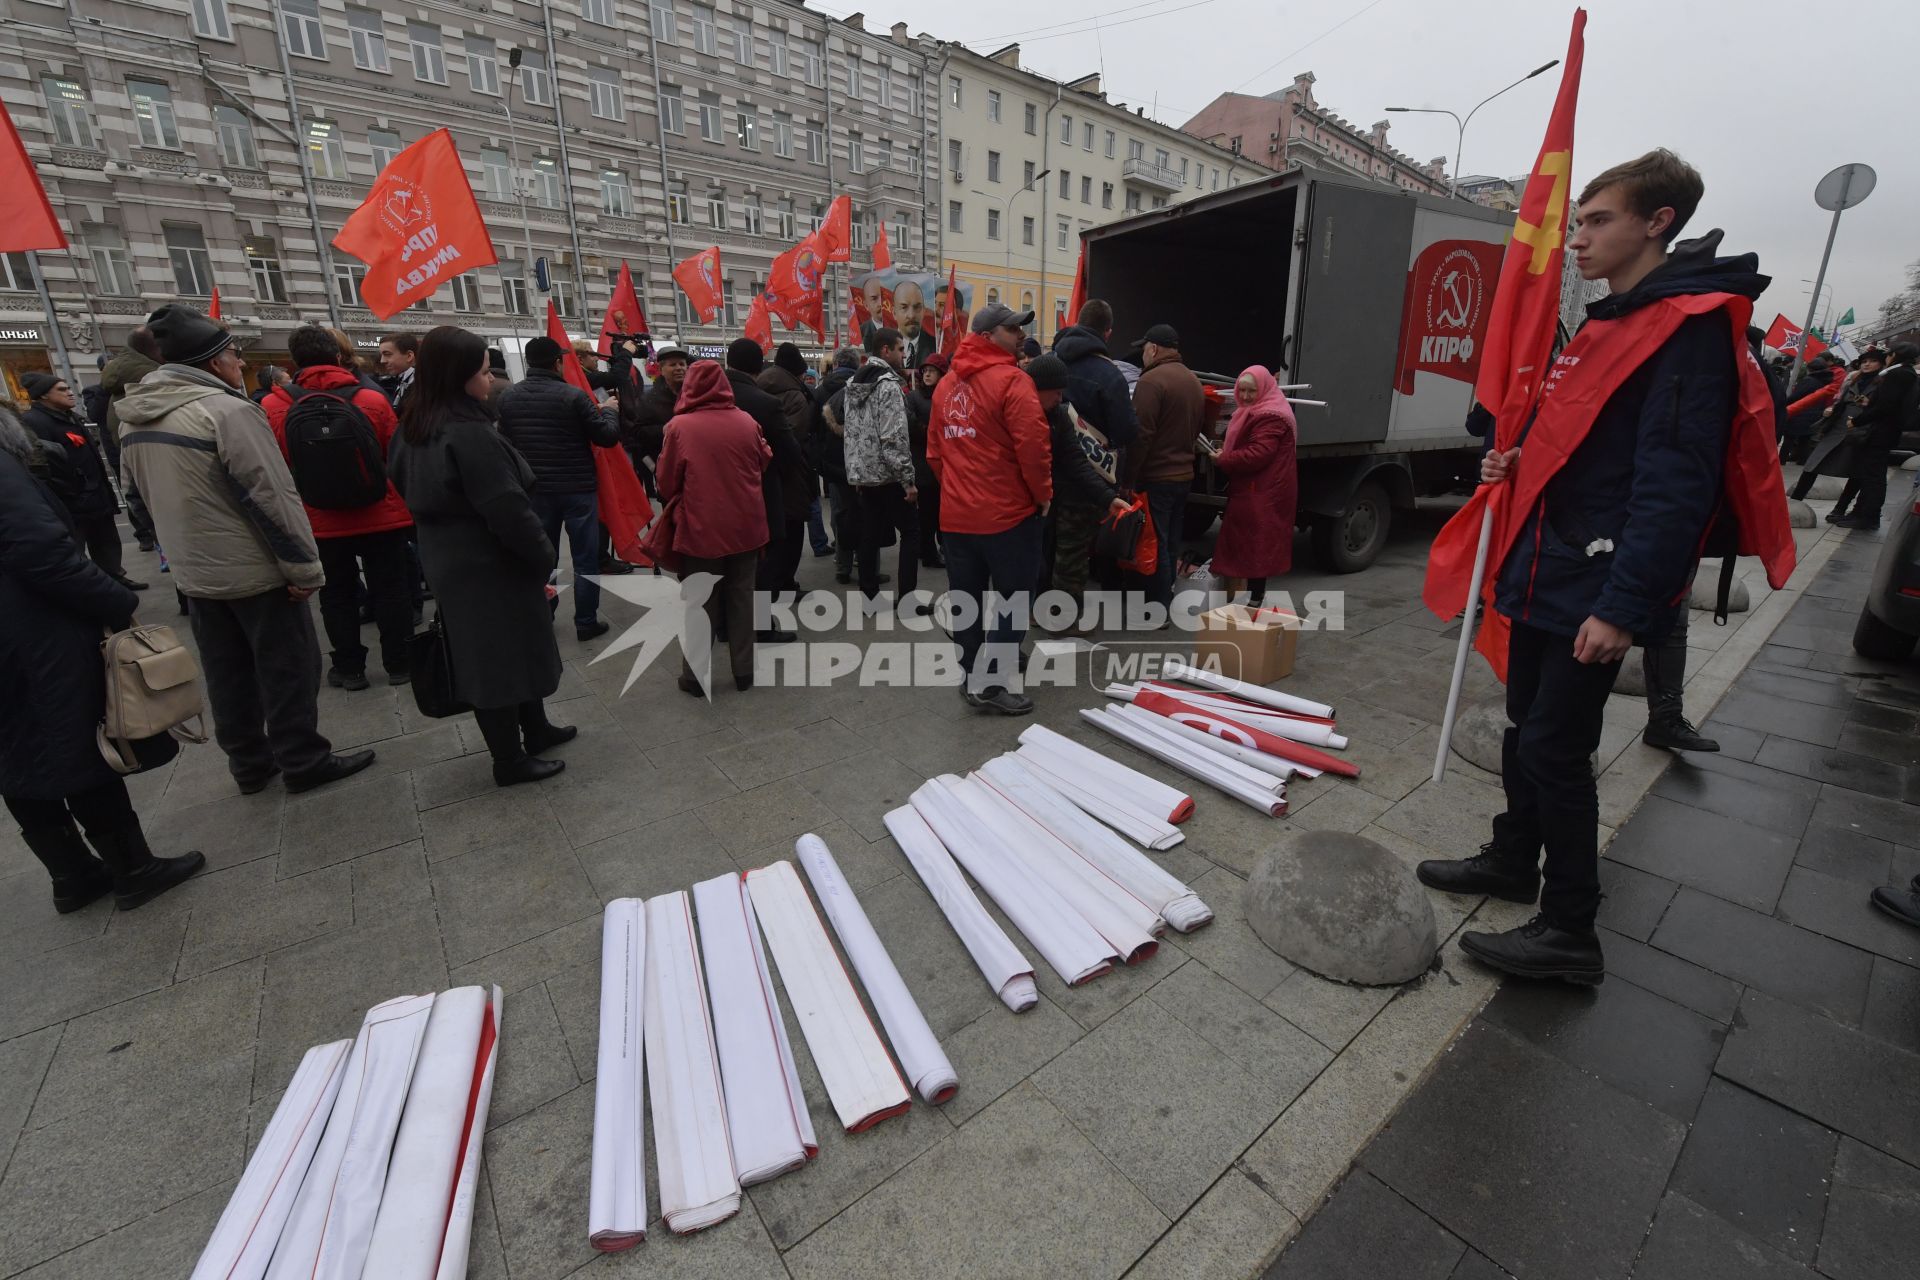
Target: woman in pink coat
1256,536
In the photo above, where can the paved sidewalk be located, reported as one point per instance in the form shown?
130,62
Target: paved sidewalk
1177,1118
1741,1099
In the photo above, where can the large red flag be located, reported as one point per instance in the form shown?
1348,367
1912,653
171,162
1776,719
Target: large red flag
699,278
835,236
26,218
418,227
624,507
950,334
1079,296
758,326
1785,335
794,286
624,314
213,305
882,251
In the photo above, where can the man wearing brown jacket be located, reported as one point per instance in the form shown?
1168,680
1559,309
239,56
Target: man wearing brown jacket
1171,409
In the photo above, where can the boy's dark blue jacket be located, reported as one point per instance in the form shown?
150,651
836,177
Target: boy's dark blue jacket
1096,388
1648,476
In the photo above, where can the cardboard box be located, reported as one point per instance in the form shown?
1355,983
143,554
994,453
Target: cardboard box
1248,644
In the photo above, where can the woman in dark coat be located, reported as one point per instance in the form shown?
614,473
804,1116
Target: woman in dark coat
55,607
1256,534
484,552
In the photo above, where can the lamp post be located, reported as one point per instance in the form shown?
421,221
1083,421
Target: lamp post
526,227
1006,210
1461,141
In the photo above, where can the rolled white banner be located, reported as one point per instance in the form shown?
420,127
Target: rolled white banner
1267,777
1000,962
1097,800
1311,732
1169,803
249,1229
691,1147
1178,754
617,1209
913,1040
1241,689
1233,750
466,1181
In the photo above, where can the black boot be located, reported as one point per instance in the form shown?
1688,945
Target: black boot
1541,949
500,726
1902,904
138,876
78,877
1665,668
1493,871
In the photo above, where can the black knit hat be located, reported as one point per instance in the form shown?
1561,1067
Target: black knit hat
38,384
746,355
1049,373
186,336
787,356
543,353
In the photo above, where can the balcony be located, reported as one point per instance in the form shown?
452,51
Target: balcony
1145,173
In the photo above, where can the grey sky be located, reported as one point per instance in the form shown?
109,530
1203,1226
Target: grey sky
1715,80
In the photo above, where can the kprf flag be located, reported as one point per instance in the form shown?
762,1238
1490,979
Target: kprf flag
883,254
623,312
26,218
759,326
624,507
794,286
835,236
418,228
1785,335
699,278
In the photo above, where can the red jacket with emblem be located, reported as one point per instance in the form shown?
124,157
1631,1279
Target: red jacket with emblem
379,517
987,442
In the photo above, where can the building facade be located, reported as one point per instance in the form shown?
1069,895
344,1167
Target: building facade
1027,163
194,144
1289,128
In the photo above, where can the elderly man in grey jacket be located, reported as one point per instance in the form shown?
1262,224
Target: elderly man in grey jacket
241,550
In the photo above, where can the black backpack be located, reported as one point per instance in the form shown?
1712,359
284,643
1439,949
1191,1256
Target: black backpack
333,451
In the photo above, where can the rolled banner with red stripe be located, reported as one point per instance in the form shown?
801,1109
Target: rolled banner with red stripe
1246,735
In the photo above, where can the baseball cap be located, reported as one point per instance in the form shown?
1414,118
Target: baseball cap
1163,335
996,315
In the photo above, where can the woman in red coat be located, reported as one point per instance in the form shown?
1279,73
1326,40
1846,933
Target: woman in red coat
1256,536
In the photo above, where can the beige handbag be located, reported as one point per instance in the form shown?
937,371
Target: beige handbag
153,691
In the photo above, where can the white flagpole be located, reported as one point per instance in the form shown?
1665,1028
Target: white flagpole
1466,640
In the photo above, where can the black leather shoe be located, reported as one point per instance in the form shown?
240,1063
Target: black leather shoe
743,683
1491,872
1857,522
254,786
843,579
332,770
1540,949
1001,702
550,737
820,553
613,567
351,681
137,888
78,877
1674,732
399,677
691,687
773,635
593,630
1835,516
130,584
1902,904
525,769
933,562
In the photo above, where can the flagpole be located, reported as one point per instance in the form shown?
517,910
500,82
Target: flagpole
1467,619
320,244
566,163
53,321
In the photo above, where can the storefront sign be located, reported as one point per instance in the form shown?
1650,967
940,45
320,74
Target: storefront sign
23,335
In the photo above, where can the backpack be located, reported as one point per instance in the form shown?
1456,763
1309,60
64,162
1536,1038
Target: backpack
333,451
153,690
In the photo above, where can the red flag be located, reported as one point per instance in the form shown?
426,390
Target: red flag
835,236
624,507
213,306
950,334
624,314
1079,298
699,278
418,227
26,218
793,286
1785,335
882,251
759,327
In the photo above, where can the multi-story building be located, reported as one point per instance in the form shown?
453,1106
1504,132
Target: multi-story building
189,144
1028,163
1289,128
1494,193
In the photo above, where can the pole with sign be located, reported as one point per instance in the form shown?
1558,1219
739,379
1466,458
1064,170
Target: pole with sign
1839,191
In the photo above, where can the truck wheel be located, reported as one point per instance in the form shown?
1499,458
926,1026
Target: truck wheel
1873,638
1351,542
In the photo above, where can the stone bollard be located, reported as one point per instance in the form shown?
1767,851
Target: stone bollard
1800,515
1344,907
1706,591
1481,726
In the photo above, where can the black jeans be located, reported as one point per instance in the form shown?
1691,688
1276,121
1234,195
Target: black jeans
101,809
1866,484
137,515
262,665
1009,562
579,513
102,535
786,544
1167,504
1554,704
504,727
846,524
930,522
387,567
883,507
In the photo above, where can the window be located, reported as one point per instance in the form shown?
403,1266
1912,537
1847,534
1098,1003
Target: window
729,307
683,309
1159,202
1184,162
210,19
1066,185
1066,129
954,91
1106,195
603,83
347,279
1026,231
813,67
483,66
536,84
1027,180
856,157
14,272
187,252
1135,148
1160,157
883,154
749,129
263,264
112,264
954,153
993,297
782,134
1032,119
816,144
385,147
513,287
616,193
710,118
1110,144
912,159
369,39
466,293
1086,136
496,175
565,296
1216,179
777,57
789,227
993,224
1060,234
678,207
956,216
887,92
993,105
818,217
706,36
153,114
547,192
1026,299
1133,202
326,149
68,112
673,112
1086,189
860,234
237,150
742,42
717,210
300,27
659,15
429,57
751,219
898,238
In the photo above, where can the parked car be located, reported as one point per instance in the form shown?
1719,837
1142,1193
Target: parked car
1889,622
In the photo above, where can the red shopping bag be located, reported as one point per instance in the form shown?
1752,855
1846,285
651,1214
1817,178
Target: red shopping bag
1128,536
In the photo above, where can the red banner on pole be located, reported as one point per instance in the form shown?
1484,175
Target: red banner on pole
882,251
699,278
624,314
213,305
418,227
624,506
26,217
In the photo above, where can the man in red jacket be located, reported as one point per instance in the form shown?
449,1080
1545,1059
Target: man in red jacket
987,445
373,536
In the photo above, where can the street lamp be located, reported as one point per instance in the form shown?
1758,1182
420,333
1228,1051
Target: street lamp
1006,209
1461,142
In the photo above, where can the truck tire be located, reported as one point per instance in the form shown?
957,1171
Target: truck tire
1873,638
1350,542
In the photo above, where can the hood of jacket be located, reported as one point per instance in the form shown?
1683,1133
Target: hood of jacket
170,387
706,387
869,380
836,378
777,381
1694,266
1077,341
978,352
125,369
